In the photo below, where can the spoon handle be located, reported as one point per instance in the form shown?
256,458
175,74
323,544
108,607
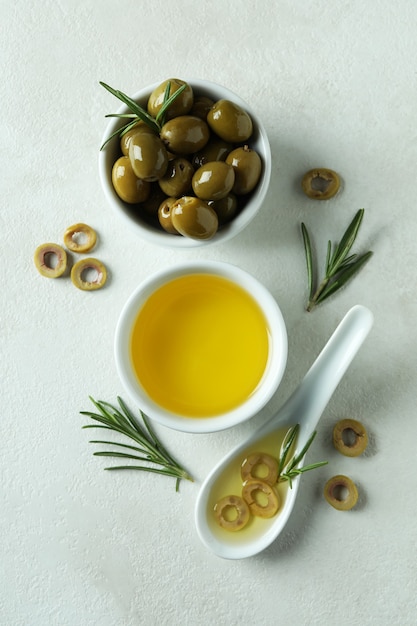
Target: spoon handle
309,400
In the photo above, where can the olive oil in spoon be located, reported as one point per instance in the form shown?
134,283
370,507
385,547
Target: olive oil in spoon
304,407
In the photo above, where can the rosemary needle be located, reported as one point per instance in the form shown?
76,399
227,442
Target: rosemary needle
138,113
339,267
150,452
288,470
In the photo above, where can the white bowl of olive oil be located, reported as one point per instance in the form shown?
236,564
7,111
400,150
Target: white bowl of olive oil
201,346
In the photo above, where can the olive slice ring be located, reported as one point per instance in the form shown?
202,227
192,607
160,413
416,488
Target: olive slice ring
231,513
85,243
80,269
257,462
254,492
43,257
320,183
350,437
341,492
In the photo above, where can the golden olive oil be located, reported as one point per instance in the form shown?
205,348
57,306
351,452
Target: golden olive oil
199,345
229,482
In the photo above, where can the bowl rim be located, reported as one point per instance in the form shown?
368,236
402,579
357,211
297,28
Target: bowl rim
277,359
147,231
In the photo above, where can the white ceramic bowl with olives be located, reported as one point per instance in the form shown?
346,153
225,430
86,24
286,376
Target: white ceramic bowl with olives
190,167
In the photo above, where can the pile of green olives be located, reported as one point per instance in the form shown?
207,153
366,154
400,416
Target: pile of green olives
191,171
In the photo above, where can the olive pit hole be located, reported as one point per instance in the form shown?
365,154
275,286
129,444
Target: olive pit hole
260,470
340,493
318,183
349,437
230,513
51,260
90,275
260,498
80,238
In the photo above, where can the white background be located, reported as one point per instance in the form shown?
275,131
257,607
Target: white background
335,84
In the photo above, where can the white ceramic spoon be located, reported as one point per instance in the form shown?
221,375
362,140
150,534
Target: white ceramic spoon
305,407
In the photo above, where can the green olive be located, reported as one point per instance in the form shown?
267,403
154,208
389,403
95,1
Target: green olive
320,183
81,279
201,107
140,127
80,237
194,218
226,208
247,166
127,185
177,179
216,149
156,196
148,156
260,465
213,180
350,437
185,134
164,215
181,105
229,121
262,498
50,260
341,492
231,513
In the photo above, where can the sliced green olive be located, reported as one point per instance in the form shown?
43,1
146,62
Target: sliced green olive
185,134
50,260
148,156
247,166
80,238
350,437
194,218
165,217
262,499
320,183
231,513
213,181
229,121
88,274
177,179
341,492
260,466
180,106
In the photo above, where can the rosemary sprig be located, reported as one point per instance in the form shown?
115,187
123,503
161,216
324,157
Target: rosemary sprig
289,470
151,453
339,267
138,113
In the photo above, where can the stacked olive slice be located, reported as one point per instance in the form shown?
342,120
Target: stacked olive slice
185,162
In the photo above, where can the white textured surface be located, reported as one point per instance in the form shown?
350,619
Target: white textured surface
335,84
